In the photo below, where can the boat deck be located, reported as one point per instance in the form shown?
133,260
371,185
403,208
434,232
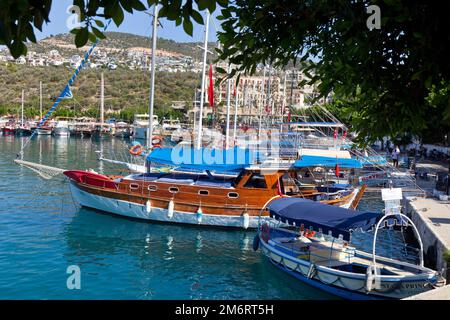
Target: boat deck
186,179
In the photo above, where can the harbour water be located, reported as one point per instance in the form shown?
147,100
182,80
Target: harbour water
42,233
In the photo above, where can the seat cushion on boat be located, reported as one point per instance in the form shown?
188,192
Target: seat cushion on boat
182,181
145,178
214,183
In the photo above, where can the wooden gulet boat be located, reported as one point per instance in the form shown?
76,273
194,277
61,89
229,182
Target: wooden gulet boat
200,198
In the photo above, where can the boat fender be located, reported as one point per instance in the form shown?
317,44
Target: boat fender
256,242
170,209
199,215
369,279
265,232
148,206
245,220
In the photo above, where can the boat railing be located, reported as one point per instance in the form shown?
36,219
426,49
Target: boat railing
404,219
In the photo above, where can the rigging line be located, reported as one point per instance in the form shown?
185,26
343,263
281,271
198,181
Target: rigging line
64,92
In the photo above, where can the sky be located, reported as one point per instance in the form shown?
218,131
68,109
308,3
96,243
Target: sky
138,23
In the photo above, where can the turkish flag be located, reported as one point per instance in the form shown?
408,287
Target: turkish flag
344,135
336,169
280,193
211,87
335,134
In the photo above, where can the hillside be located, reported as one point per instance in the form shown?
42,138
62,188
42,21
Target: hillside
126,91
118,42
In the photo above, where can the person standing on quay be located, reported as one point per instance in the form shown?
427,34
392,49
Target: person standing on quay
395,156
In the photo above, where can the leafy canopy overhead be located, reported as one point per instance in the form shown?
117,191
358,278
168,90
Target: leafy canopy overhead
393,80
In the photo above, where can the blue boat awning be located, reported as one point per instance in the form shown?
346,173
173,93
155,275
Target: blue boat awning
188,158
340,221
318,161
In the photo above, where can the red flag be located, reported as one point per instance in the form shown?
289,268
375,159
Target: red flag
344,135
280,193
211,87
289,115
336,169
335,134
235,92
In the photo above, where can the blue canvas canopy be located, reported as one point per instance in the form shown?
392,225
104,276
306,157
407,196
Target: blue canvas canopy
297,211
318,161
188,158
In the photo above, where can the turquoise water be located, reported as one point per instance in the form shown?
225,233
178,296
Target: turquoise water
42,233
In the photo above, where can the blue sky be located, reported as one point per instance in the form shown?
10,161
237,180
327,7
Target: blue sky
138,23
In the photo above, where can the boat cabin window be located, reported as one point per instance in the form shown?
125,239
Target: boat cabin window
203,192
173,190
134,186
256,181
233,195
152,188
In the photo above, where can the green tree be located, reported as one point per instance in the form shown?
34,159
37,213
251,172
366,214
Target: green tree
395,79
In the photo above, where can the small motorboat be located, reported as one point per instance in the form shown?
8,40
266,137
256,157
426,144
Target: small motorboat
122,130
61,129
316,249
24,131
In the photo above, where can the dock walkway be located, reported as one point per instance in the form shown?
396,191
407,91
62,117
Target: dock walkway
436,215
432,218
442,293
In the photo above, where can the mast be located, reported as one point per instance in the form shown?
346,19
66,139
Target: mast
152,78
284,98
40,99
227,131
22,124
202,97
102,103
235,113
262,101
269,83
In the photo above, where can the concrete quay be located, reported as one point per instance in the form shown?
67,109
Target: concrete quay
442,293
432,219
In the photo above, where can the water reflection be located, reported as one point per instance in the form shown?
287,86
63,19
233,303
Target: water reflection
119,258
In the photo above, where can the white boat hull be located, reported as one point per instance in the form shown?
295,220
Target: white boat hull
61,132
43,132
133,210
